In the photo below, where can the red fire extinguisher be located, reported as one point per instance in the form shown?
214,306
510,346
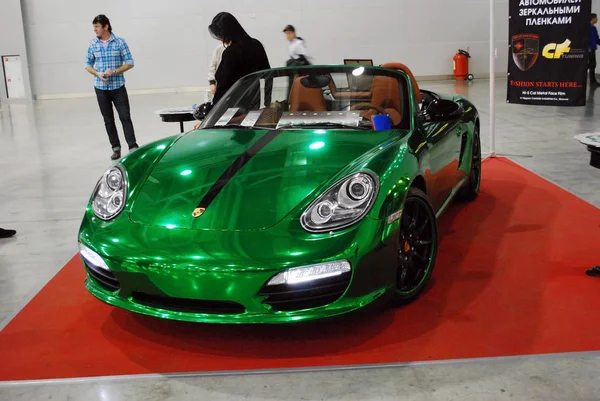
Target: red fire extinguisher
461,66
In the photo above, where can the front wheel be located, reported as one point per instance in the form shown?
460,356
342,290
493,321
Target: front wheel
470,77
417,247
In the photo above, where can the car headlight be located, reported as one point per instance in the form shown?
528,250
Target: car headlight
109,195
343,204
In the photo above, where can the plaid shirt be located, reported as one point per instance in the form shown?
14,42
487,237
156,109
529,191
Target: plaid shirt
113,56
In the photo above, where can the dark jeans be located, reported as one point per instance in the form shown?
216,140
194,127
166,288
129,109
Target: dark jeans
592,65
118,97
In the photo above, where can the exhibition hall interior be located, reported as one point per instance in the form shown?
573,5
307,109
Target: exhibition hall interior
284,200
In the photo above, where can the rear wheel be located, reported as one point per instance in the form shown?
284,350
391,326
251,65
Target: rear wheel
417,247
470,189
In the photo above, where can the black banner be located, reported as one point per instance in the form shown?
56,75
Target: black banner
548,51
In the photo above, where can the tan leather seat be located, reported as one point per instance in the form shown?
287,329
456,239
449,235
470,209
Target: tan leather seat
407,71
347,95
306,99
386,94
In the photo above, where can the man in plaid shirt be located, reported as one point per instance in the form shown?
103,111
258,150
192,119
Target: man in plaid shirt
108,57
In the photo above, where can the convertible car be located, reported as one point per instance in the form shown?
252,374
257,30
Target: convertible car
306,192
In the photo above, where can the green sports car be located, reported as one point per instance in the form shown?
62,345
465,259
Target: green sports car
307,192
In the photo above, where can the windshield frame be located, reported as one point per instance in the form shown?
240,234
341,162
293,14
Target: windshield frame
268,75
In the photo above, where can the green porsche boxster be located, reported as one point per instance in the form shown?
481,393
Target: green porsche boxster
307,192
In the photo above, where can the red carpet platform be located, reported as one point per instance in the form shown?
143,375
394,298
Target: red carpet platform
509,281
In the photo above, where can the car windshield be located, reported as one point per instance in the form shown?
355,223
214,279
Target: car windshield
347,97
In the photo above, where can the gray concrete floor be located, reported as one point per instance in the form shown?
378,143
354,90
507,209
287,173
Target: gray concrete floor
52,153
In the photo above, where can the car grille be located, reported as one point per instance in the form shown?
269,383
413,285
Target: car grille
292,297
103,277
188,305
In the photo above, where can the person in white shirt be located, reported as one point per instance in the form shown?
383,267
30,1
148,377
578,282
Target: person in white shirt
214,65
297,48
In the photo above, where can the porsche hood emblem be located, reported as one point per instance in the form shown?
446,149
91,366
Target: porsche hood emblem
198,211
525,50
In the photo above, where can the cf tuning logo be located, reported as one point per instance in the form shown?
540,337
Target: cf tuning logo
555,51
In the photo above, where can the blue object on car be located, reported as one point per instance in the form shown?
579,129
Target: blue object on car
382,122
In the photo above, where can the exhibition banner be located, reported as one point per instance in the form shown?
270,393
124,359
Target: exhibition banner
548,51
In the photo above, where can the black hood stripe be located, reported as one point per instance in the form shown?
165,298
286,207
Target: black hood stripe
234,168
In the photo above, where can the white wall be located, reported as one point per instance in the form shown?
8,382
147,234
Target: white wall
171,45
12,41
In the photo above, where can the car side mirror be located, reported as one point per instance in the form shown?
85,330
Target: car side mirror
441,110
202,111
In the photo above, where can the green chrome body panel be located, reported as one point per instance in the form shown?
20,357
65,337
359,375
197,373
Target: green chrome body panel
271,185
252,229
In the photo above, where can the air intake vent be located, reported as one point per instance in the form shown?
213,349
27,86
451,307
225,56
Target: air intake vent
291,297
103,277
463,148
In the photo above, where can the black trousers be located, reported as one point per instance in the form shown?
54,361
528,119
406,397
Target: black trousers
592,65
118,97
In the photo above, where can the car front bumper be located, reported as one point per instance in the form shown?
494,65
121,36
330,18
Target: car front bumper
221,280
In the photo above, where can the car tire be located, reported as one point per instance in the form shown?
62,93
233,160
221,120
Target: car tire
417,247
470,189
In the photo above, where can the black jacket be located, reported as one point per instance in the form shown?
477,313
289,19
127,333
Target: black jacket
245,55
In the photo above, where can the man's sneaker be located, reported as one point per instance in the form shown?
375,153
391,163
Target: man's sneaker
594,271
116,155
6,233
134,147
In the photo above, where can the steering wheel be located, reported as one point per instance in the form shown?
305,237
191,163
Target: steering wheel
366,106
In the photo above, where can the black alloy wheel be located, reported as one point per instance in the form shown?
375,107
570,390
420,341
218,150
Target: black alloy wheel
417,247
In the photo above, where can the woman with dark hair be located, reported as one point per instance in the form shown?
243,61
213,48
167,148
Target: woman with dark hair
243,54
